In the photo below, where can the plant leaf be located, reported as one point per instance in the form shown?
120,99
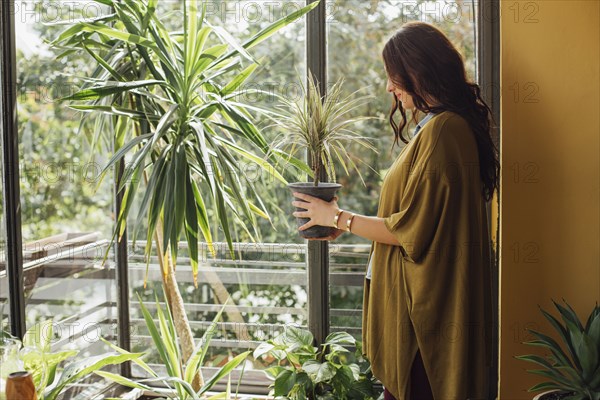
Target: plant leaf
121,380
108,89
225,370
119,35
82,368
138,361
197,358
296,337
284,382
321,372
340,338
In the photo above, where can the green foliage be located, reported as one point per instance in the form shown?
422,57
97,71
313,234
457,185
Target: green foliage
9,355
574,364
50,381
320,123
180,374
330,371
170,100
38,358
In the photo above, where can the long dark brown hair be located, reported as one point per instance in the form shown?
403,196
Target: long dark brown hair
420,60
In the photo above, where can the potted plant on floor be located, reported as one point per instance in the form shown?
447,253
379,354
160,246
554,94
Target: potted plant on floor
320,123
330,371
50,378
172,111
573,366
178,382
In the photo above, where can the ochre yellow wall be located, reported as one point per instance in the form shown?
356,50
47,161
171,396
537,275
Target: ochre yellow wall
550,145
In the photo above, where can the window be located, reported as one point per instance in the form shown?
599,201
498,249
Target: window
68,213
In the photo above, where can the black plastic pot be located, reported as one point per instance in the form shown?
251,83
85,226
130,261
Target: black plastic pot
325,191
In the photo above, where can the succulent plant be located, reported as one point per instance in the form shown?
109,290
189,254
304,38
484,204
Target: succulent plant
573,367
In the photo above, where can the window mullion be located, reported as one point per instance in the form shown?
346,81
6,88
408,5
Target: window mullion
318,251
11,176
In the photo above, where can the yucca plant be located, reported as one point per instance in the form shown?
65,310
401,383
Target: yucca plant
320,124
170,102
573,367
180,374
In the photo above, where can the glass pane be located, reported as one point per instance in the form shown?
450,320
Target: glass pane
67,212
357,31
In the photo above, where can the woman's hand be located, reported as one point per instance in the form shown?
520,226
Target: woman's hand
322,213
319,211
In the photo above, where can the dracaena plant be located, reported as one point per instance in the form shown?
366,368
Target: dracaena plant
170,104
180,374
573,365
321,124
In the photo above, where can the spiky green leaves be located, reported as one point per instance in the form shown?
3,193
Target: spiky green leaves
320,123
173,116
574,361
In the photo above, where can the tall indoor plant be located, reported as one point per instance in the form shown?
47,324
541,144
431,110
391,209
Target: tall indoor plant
320,123
171,101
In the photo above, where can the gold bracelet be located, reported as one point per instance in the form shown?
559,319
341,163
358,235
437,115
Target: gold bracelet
349,222
337,217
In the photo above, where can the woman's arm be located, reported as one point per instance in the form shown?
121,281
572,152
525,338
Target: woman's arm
323,213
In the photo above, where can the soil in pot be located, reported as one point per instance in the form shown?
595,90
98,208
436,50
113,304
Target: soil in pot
325,191
554,395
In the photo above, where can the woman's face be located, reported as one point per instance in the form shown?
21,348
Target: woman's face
402,95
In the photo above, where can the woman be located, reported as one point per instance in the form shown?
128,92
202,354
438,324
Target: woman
427,306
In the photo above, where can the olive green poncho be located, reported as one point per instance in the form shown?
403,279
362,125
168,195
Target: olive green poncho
433,292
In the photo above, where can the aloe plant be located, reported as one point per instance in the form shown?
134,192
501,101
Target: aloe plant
320,123
573,366
170,101
180,374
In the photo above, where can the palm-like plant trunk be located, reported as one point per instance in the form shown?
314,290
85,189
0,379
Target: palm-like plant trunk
316,166
176,304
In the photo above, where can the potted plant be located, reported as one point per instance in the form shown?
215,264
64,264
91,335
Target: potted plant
178,384
320,123
573,365
171,109
331,371
50,380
